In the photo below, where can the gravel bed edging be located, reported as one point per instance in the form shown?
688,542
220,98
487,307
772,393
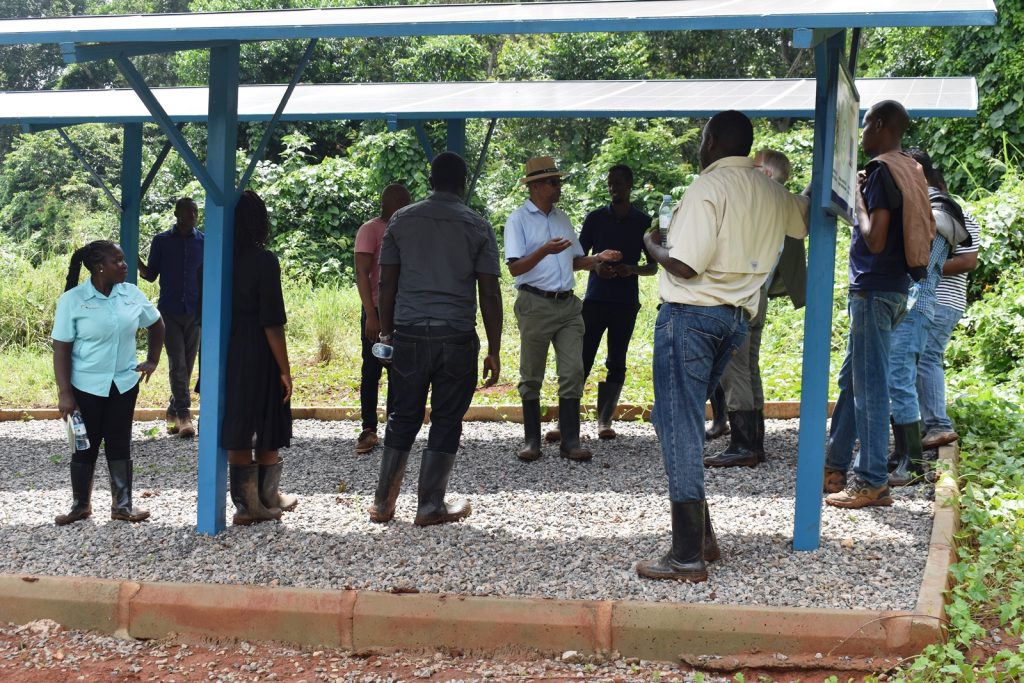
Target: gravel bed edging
710,636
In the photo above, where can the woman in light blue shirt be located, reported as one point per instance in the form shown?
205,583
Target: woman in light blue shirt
94,360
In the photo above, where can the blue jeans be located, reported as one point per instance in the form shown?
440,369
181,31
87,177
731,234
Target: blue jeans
862,410
692,345
439,360
931,381
907,344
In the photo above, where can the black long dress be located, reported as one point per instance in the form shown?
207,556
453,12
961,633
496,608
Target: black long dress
254,415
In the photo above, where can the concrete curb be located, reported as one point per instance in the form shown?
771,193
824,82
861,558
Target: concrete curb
711,636
775,410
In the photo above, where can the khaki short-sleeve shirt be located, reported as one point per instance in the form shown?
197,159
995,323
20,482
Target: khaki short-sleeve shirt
729,228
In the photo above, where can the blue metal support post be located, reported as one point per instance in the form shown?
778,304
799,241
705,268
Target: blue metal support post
218,262
456,136
818,316
131,196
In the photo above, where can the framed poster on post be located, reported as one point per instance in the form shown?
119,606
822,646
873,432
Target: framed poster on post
842,200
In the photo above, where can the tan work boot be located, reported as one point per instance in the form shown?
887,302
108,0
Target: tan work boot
835,481
858,494
367,441
186,429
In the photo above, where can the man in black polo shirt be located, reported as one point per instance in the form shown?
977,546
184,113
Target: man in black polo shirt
612,300
176,257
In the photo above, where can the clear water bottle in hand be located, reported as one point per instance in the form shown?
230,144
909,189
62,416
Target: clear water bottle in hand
665,218
81,435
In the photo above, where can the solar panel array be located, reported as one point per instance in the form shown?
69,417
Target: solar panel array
544,99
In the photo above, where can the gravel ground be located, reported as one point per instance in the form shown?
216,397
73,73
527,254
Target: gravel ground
551,528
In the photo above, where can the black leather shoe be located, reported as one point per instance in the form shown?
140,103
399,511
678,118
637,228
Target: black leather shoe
742,442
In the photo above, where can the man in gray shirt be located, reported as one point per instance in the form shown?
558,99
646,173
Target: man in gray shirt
436,256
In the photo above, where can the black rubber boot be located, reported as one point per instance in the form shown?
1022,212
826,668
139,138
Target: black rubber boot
569,425
899,447
742,442
121,492
435,468
389,483
759,441
531,428
607,402
270,493
711,551
719,424
909,469
685,562
243,482
81,493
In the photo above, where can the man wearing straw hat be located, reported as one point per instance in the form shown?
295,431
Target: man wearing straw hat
542,251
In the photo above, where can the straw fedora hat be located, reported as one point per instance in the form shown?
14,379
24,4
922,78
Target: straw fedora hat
538,168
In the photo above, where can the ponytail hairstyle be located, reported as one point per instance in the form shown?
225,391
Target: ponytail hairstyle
90,255
252,223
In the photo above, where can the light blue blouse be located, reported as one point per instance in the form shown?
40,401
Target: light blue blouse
102,331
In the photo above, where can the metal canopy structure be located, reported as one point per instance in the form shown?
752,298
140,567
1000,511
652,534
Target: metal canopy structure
481,19
923,97
817,24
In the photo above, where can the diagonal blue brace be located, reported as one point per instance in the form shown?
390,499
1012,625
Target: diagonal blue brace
138,84
261,150
821,259
480,160
77,152
155,168
421,135
131,196
218,267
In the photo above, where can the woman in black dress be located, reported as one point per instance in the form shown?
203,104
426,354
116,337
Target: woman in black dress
257,414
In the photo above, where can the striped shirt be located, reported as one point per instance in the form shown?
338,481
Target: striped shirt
952,289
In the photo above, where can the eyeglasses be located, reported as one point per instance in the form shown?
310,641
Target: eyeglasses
554,182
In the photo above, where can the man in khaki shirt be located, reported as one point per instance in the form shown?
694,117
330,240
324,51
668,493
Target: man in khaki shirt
723,241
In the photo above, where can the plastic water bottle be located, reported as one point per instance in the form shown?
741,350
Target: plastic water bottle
665,218
81,435
912,293
382,351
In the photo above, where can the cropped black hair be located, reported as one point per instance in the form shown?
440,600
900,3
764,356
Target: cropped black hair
624,170
90,255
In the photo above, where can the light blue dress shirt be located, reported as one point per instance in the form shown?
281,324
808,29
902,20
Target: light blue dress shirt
526,230
102,331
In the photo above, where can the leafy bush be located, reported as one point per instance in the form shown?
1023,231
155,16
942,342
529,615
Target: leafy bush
1001,217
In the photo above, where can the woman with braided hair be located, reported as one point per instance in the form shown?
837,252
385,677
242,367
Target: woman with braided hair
94,360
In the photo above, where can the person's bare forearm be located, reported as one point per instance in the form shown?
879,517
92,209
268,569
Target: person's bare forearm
661,256
525,264
491,311
278,347
363,286
155,341
386,298
62,365
960,263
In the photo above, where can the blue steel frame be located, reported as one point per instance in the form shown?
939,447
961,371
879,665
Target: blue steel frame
131,196
821,257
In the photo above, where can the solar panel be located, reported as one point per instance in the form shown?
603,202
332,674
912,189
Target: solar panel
535,17
923,97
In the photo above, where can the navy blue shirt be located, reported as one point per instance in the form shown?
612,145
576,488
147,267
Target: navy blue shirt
177,260
885,271
602,229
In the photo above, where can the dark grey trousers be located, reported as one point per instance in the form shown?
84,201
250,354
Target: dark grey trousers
181,342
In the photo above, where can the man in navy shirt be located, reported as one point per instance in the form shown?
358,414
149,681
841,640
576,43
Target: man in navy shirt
612,300
877,301
176,257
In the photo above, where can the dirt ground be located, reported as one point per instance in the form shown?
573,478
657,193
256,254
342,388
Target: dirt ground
43,652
